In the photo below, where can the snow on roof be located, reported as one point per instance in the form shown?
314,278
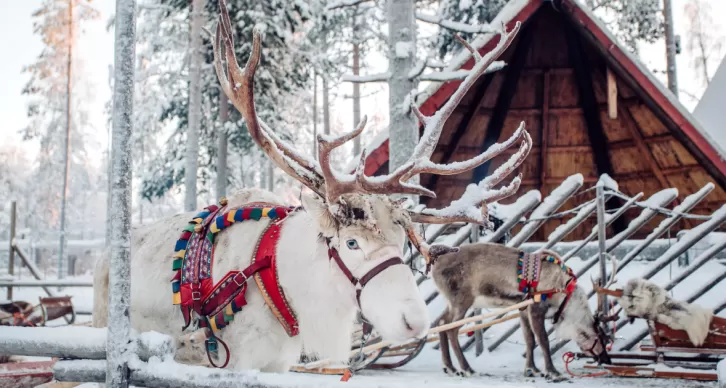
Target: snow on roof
709,111
505,15
714,136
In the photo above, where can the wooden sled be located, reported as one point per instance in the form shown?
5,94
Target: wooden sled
21,313
356,364
672,349
25,374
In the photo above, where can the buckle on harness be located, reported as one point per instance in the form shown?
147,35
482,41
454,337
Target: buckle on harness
196,295
239,284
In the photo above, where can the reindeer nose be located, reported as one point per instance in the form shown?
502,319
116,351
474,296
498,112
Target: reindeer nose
414,323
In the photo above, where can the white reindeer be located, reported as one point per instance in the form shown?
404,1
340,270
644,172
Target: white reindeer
352,212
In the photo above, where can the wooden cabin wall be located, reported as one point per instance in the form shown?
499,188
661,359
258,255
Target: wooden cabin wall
540,86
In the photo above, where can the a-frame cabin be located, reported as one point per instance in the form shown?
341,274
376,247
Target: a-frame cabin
590,106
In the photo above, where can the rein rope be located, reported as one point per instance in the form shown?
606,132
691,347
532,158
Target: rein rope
568,357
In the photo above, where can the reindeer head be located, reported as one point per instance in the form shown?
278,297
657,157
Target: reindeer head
354,212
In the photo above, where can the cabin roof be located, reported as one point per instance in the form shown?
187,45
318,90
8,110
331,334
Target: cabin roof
560,70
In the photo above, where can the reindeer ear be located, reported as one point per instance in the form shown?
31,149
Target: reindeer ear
319,210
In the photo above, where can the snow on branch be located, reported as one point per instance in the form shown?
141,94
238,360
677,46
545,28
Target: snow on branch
454,26
442,76
344,3
380,77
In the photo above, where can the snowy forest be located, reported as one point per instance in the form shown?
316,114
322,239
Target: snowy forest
322,61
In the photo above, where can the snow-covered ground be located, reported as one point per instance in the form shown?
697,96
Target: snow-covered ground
500,368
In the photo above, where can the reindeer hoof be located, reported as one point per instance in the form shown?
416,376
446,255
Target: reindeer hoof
450,371
555,377
466,373
532,372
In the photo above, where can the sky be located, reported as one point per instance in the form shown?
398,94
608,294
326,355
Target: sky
95,47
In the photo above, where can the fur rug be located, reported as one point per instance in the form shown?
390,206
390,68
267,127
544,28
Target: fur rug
643,299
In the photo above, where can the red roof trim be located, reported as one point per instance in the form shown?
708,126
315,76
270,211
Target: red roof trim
378,156
651,89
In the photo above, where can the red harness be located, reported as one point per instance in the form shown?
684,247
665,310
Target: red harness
217,305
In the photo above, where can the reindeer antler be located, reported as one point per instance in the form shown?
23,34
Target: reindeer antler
607,291
238,85
322,178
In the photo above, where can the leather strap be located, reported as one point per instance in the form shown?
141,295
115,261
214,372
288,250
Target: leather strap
268,282
230,286
333,254
378,269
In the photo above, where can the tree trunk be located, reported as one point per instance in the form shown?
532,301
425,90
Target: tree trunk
67,142
119,290
670,47
326,107
356,97
403,126
141,193
195,106
270,176
315,115
222,147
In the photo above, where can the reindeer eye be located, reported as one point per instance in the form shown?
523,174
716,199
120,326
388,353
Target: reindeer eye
352,244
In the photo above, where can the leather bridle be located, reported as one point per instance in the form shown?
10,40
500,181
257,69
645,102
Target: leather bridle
360,283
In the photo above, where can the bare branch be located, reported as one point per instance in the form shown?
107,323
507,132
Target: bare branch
443,76
433,63
455,26
344,3
380,77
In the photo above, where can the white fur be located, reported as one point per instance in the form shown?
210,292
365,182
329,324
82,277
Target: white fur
321,296
644,299
576,323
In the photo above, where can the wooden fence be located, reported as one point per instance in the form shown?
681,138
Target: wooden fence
541,210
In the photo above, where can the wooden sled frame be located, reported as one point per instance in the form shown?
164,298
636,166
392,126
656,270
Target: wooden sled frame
22,313
672,348
376,348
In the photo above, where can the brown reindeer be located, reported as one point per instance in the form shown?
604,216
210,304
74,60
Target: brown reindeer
484,275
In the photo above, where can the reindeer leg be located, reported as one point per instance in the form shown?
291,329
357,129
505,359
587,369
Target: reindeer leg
536,320
444,345
530,370
453,334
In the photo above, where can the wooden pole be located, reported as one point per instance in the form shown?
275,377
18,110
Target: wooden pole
600,192
11,250
67,156
438,329
119,285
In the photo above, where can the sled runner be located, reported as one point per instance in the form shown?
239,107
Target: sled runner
671,354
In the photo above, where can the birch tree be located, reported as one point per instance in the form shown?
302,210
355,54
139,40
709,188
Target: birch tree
57,120
705,41
286,73
195,102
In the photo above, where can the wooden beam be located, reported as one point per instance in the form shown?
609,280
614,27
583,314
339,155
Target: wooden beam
595,131
561,109
646,153
545,121
504,99
612,95
464,127
681,169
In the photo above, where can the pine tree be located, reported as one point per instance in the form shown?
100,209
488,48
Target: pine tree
57,118
285,72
